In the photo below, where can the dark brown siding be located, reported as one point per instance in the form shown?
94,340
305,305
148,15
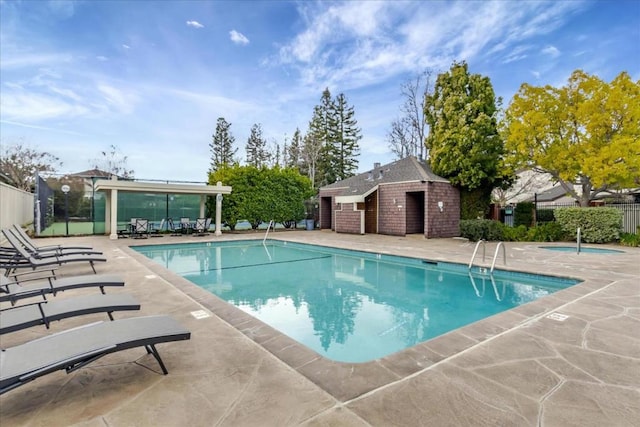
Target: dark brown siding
447,222
348,220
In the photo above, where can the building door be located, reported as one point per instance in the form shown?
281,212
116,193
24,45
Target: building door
415,212
371,213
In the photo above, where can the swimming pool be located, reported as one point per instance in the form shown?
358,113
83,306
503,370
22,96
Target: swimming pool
349,306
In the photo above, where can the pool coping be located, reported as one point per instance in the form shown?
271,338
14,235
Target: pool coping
349,381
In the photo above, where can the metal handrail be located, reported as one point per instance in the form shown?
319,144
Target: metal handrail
495,255
475,251
265,234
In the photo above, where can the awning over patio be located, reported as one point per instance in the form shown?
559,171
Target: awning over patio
112,186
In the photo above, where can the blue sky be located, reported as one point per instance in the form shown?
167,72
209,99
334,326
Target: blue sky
153,77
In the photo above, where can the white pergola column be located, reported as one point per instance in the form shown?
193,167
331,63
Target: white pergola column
218,214
203,199
113,228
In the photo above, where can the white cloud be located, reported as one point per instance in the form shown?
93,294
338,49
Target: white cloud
354,44
535,74
102,58
195,24
552,51
17,60
238,38
30,107
122,101
125,46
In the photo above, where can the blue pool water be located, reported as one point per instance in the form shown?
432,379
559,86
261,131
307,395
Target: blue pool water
349,306
582,249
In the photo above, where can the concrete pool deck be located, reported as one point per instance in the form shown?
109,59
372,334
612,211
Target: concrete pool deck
525,367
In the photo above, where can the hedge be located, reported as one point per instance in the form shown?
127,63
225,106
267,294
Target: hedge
597,225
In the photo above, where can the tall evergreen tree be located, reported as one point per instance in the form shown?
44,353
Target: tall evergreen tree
222,151
344,136
257,154
463,137
320,133
312,154
294,152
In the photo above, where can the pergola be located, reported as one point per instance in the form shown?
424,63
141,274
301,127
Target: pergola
112,186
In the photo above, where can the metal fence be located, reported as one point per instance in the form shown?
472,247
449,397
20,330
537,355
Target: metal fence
630,213
81,210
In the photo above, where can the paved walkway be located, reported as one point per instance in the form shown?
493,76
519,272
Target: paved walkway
518,368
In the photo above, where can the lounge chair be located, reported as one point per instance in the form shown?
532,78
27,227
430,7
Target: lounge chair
44,312
14,290
26,259
74,348
28,242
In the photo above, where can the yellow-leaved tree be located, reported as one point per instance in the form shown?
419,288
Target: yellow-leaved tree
587,133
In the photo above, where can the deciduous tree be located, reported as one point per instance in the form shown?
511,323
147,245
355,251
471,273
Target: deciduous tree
587,132
114,162
20,163
261,194
407,134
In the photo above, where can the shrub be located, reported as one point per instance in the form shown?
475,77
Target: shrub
548,232
523,214
630,239
477,229
515,234
544,215
597,225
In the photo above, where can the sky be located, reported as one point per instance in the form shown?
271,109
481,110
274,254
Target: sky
153,77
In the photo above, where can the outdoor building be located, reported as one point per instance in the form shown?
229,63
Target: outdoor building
399,198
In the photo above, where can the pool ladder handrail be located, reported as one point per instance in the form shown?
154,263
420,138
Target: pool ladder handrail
495,255
267,233
475,251
484,250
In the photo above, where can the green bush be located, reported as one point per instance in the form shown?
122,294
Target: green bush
477,229
515,234
544,215
630,239
548,232
523,214
597,225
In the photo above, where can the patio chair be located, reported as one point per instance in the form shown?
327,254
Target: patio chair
24,237
74,348
202,226
156,232
141,229
185,225
171,226
128,231
34,283
25,259
44,312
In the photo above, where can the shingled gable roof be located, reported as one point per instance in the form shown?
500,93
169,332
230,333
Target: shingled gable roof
409,169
